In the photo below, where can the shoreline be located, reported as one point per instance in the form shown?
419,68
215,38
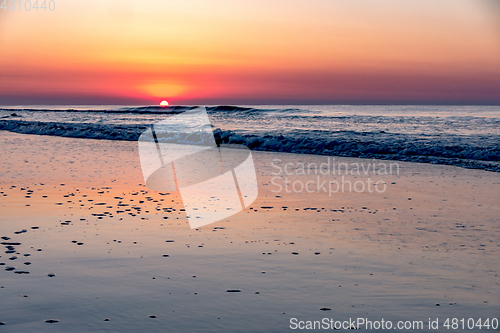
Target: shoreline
369,145
373,255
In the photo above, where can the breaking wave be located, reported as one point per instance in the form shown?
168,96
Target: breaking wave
464,140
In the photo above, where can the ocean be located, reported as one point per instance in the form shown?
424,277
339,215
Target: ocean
465,136
88,246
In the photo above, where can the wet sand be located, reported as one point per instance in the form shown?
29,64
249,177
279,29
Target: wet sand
93,248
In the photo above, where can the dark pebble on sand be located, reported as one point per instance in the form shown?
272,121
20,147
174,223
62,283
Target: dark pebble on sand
438,304
10,243
52,321
317,253
295,253
169,241
152,317
27,263
10,268
79,243
5,238
233,291
166,256
10,251
2,264
325,309
106,319
51,275
74,242
13,258
2,323
35,228
21,272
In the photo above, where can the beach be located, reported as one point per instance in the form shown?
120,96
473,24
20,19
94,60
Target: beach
99,251
249,166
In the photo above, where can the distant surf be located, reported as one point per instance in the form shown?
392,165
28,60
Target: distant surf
454,135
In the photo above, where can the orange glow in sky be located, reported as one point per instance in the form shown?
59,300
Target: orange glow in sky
251,52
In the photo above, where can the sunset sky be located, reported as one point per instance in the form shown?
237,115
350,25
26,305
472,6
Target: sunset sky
252,52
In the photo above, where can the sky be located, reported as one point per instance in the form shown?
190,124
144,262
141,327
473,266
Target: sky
125,52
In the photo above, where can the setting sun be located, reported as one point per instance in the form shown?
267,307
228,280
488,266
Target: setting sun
163,103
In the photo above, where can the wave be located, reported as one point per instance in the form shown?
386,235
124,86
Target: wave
74,130
375,145
479,152
139,110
